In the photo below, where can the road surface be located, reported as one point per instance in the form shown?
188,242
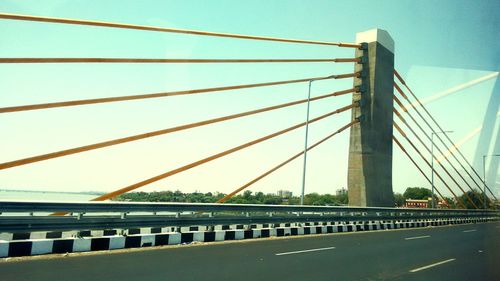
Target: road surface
463,252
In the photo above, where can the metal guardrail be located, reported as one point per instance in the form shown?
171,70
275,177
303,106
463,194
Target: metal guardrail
127,207
19,216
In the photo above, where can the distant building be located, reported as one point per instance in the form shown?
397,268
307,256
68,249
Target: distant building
443,204
342,191
284,193
414,203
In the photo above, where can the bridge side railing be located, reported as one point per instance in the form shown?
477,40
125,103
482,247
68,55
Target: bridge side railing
19,216
128,207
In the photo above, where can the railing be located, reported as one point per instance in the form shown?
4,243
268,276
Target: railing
19,216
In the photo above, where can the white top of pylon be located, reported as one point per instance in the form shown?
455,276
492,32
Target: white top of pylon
378,35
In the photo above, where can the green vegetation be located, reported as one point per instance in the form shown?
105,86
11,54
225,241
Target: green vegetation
476,197
418,193
247,197
399,200
421,193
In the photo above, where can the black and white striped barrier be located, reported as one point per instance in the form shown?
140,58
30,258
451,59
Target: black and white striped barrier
70,245
109,240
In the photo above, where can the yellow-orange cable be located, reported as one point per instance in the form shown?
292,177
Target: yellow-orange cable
71,151
231,194
165,29
165,94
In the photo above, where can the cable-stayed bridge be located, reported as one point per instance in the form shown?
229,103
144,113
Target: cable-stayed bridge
383,111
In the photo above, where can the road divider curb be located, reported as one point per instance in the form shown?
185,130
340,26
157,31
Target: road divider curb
136,238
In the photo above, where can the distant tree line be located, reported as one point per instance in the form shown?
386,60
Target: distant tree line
421,193
249,197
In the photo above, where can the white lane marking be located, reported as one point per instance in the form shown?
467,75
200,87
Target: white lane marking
417,237
430,265
470,230
304,251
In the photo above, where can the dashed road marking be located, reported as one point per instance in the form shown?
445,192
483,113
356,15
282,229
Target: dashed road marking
470,230
304,251
431,265
417,237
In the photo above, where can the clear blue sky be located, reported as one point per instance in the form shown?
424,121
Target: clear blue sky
439,44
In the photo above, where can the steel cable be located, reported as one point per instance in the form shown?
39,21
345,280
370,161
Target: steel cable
427,148
439,176
265,174
417,166
131,60
165,29
165,94
99,145
215,156
437,124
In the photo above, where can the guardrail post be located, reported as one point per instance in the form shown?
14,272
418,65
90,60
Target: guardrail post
369,176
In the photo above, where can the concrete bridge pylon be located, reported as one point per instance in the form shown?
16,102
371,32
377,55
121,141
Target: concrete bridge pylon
369,176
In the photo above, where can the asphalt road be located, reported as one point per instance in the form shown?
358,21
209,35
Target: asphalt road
464,252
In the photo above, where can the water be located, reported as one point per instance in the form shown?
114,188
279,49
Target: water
15,195
30,195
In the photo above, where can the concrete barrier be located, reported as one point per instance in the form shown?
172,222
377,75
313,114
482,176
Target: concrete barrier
148,238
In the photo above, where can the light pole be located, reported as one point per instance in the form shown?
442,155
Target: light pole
484,177
305,146
433,204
